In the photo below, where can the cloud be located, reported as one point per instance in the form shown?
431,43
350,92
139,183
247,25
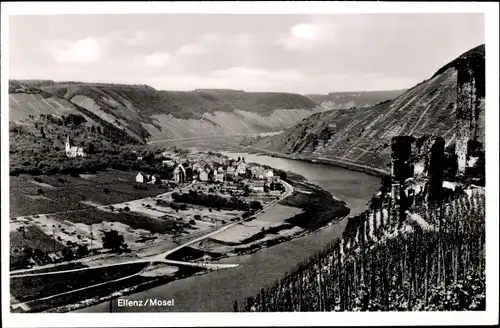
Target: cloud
202,45
137,39
86,50
156,59
304,31
306,37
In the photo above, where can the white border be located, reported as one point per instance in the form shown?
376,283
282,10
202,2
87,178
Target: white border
268,319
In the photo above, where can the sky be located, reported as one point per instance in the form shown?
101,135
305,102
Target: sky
282,53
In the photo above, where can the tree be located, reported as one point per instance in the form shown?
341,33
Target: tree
82,251
67,254
256,205
436,172
39,254
42,132
91,148
113,240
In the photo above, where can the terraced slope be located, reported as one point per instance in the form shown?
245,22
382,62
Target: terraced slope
362,136
347,100
146,114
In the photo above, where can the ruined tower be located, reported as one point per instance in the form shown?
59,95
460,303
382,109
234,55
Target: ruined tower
469,104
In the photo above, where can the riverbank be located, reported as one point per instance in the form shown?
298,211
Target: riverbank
216,290
318,209
265,239
322,160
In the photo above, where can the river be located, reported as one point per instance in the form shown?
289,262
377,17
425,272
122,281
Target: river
216,291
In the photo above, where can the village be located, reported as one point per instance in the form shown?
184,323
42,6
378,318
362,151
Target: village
234,175
197,193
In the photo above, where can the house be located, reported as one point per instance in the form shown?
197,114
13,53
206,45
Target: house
168,163
221,169
257,172
180,174
231,170
154,179
141,177
269,173
241,168
203,176
196,167
274,178
207,167
257,186
74,151
219,177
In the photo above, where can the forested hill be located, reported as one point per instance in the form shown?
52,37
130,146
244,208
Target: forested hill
145,113
361,137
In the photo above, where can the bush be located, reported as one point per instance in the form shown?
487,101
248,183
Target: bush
40,191
192,222
126,209
256,205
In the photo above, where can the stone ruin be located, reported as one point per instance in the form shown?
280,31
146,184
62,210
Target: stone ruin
469,109
417,167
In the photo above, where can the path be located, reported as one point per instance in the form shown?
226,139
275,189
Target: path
161,258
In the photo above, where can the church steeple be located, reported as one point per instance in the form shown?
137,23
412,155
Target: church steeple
68,143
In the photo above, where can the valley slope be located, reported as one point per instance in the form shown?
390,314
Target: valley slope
353,99
143,113
362,137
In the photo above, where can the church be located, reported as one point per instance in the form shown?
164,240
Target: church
74,151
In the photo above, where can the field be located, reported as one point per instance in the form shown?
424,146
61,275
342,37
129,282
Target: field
274,216
155,274
35,238
64,193
30,288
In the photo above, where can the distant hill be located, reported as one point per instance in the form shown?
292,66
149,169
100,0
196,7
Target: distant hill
362,136
144,113
357,99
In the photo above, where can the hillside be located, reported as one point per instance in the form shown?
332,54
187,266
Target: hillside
357,99
362,136
144,113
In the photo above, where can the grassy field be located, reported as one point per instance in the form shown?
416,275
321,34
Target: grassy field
48,194
134,221
68,266
318,205
26,289
105,291
35,238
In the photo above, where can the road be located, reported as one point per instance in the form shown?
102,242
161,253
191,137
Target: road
162,256
159,258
